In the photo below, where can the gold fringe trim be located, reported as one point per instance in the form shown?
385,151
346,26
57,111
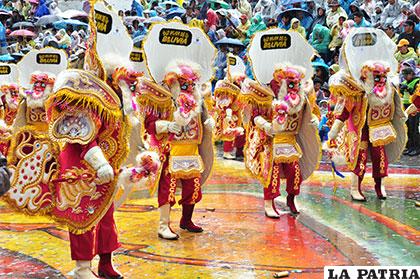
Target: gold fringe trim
289,159
254,101
92,102
384,141
186,174
227,89
148,103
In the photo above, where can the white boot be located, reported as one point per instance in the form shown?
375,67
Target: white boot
83,270
165,231
270,210
355,191
230,155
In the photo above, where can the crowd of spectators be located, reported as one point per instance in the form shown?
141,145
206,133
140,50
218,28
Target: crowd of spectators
230,25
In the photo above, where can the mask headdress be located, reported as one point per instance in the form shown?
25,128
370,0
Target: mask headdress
236,69
109,44
272,47
290,73
377,68
366,50
185,73
9,74
128,76
174,50
41,65
93,63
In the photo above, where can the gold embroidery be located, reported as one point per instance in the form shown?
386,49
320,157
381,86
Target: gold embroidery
36,115
78,184
197,186
33,160
107,143
172,189
274,182
382,162
297,177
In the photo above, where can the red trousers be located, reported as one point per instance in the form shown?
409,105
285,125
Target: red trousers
102,239
191,188
379,162
239,143
293,176
377,156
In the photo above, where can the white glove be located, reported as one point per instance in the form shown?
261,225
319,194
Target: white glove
411,110
268,128
264,125
404,117
163,126
105,174
96,159
174,128
210,123
315,121
335,129
240,130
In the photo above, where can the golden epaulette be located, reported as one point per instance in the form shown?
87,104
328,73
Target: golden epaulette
226,87
253,92
344,84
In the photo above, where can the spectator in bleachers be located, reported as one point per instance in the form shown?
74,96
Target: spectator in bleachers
334,13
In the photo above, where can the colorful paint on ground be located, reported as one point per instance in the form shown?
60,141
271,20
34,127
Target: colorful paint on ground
238,241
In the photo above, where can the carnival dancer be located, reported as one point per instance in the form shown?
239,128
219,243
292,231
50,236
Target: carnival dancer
90,118
70,173
9,101
9,78
369,109
176,121
227,109
32,155
282,137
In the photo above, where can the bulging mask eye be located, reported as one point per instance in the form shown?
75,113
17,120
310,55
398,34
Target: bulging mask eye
184,86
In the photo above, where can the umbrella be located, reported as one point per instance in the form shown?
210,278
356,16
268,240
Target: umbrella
5,13
222,3
129,19
172,3
137,41
320,63
291,2
62,24
22,33
48,19
6,58
73,14
52,43
154,19
305,17
229,41
173,12
17,55
22,25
